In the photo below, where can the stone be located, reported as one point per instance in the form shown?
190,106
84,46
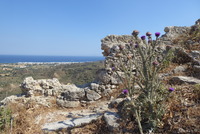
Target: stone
103,76
71,123
174,31
196,69
179,69
113,87
115,79
67,104
91,95
102,88
40,100
184,79
111,119
7,100
181,56
95,87
195,54
72,92
114,103
31,87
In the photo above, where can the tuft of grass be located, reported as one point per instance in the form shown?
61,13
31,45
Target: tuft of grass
5,119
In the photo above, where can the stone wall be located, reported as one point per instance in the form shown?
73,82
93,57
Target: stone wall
112,45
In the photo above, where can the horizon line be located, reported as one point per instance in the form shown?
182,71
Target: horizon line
51,55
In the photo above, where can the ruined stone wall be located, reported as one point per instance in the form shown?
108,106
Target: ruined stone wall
112,45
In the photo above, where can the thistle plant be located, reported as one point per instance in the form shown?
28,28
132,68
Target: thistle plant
141,62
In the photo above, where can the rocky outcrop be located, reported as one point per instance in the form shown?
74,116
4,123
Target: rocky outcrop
172,32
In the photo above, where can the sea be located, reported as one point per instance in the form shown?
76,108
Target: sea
47,59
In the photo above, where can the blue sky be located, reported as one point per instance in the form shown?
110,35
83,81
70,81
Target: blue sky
75,27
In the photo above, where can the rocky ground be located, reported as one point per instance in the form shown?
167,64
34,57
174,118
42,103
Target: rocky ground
47,106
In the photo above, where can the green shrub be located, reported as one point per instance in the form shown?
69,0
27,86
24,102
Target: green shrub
5,118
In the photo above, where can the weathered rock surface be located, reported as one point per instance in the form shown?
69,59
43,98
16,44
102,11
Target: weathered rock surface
112,119
42,86
72,92
91,95
9,99
179,69
196,69
184,79
173,32
71,123
195,54
36,100
114,103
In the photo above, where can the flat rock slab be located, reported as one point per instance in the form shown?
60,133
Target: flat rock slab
74,122
184,79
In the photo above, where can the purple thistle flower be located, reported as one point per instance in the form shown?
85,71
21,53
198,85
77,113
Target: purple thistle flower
113,68
155,63
136,45
148,34
171,89
157,34
125,91
143,37
135,32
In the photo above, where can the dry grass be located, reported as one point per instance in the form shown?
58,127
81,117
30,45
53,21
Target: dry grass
24,114
183,111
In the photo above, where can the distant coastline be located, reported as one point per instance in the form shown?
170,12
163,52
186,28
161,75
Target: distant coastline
33,59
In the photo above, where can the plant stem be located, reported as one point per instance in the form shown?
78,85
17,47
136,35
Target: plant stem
138,120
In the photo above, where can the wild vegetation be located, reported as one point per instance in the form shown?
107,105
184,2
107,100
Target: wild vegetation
11,75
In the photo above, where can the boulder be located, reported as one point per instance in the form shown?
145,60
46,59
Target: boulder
72,92
91,95
95,87
103,77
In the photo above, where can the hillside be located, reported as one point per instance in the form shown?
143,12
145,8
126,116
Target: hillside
11,75
145,86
